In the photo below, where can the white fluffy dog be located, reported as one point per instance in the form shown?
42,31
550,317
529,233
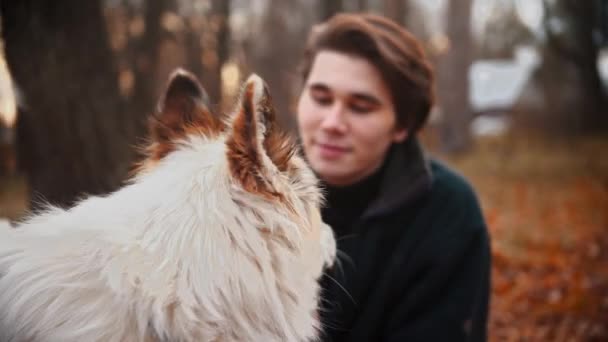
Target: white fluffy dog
218,237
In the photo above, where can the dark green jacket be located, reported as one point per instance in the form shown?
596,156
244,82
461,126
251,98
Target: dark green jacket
417,264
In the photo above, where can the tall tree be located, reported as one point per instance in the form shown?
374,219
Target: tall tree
396,10
572,31
143,58
275,49
362,5
330,7
504,33
136,32
7,166
218,48
453,87
73,133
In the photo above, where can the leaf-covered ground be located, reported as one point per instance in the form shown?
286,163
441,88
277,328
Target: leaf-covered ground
546,205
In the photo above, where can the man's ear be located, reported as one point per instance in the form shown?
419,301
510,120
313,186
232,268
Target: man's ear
183,109
255,136
400,134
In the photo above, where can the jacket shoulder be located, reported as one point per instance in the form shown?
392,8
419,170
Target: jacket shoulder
446,179
453,197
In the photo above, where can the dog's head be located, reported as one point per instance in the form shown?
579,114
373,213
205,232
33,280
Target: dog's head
245,178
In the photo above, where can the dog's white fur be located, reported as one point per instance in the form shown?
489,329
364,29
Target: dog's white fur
4,223
182,253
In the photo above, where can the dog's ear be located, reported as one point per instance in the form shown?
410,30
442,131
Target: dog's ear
255,138
183,109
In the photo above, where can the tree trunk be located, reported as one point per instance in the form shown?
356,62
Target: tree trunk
396,10
7,162
274,52
585,15
144,56
212,73
330,7
453,79
73,134
362,5
580,49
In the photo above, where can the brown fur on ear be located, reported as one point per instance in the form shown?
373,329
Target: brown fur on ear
254,134
183,110
278,145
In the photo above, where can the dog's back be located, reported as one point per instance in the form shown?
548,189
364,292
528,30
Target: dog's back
217,238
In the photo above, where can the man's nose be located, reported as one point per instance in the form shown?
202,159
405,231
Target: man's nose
334,119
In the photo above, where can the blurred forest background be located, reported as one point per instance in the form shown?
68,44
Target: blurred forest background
522,112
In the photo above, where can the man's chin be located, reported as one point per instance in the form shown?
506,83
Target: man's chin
333,178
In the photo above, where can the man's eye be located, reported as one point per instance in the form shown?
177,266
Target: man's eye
322,100
360,108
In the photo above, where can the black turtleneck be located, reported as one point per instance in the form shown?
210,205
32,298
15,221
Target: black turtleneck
346,204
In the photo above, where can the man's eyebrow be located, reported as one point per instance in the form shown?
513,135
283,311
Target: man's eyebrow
318,86
367,98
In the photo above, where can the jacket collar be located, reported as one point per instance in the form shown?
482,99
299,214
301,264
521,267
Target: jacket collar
406,178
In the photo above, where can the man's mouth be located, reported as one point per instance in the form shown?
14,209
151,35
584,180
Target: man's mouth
331,151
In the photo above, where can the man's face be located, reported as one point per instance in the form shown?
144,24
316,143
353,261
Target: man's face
346,118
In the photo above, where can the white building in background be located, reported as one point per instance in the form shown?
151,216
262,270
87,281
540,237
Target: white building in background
496,86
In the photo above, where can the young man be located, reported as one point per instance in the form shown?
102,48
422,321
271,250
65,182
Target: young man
415,262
